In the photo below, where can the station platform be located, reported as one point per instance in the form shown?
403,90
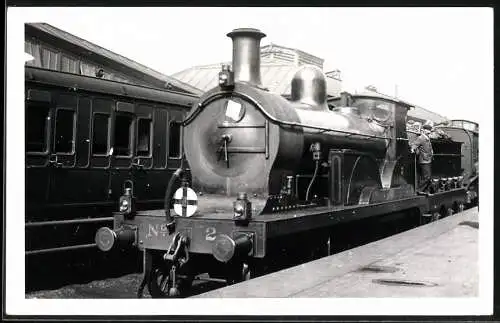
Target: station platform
438,259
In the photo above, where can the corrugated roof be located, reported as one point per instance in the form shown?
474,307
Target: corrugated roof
291,55
276,78
126,62
276,71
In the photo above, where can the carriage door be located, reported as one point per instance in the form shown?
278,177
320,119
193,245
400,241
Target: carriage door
174,135
122,148
37,121
62,158
98,177
143,161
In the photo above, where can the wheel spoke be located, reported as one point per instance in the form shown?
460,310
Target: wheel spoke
160,283
164,283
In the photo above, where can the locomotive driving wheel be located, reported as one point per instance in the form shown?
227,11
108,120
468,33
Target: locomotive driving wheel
165,279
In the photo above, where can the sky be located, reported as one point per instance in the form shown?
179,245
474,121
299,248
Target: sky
438,58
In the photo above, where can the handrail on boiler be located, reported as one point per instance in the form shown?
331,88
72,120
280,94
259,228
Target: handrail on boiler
280,122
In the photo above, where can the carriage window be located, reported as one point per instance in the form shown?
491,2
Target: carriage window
123,135
174,147
65,131
144,137
37,121
100,134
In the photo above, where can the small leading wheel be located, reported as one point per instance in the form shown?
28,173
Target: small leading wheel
161,283
461,207
449,211
435,216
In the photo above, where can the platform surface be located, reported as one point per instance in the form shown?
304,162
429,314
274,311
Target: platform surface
435,260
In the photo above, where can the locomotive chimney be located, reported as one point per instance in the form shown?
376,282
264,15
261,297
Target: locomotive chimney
246,55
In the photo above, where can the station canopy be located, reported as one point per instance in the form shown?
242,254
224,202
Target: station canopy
278,66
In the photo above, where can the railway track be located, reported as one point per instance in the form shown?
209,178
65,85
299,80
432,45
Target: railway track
54,271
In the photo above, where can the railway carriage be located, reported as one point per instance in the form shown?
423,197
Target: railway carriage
85,139
271,177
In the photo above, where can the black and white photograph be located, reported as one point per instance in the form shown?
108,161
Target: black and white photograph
249,161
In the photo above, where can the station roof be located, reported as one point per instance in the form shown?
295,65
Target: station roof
119,62
275,76
278,66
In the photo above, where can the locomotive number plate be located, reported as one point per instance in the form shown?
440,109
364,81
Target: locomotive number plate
210,233
203,232
153,233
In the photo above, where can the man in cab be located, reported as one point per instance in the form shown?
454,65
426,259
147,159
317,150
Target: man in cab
423,148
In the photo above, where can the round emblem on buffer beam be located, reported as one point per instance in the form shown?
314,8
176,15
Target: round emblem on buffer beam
185,202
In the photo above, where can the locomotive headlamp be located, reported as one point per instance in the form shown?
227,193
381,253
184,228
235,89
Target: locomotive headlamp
239,209
226,77
127,203
242,208
124,205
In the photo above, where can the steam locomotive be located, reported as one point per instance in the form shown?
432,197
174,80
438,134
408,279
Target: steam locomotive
85,139
271,176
